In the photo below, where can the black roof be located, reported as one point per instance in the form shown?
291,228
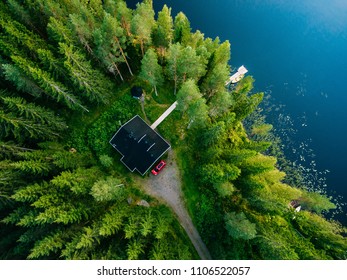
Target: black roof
136,91
139,145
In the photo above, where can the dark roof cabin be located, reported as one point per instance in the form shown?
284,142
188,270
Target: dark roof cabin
139,145
136,92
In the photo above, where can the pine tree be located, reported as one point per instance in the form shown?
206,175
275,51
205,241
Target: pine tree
197,42
151,71
35,167
87,239
197,113
107,49
62,212
79,181
10,180
30,193
96,9
162,224
119,10
159,251
183,64
62,159
189,66
258,164
51,8
83,26
214,135
142,24
110,42
10,149
222,54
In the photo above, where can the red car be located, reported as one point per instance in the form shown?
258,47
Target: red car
158,168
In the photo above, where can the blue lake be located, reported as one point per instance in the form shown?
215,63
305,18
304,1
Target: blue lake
296,51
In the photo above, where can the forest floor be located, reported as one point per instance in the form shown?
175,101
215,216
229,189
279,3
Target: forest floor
166,187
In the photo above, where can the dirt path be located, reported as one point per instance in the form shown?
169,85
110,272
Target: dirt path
166,187
142,103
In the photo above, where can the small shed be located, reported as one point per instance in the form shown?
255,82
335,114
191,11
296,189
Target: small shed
136,92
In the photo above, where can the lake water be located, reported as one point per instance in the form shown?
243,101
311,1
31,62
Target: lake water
297,53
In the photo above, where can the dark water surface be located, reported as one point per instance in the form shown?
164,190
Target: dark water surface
297,52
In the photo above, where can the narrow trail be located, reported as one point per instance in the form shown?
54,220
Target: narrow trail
166,187
142,103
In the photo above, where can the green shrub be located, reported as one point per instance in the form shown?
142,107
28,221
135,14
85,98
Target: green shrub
106,161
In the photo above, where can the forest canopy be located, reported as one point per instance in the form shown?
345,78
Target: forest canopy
66,70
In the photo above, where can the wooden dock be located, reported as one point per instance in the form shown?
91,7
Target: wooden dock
237,76
164,115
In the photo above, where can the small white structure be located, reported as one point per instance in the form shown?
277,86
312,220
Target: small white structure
237,76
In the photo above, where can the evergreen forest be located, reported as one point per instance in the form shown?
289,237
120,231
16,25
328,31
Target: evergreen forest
66,71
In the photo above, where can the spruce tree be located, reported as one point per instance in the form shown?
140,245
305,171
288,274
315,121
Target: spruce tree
52,88
21,81
163,34
91,81
33,112
182,29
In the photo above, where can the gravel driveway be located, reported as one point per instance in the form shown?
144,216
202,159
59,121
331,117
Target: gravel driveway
166,187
